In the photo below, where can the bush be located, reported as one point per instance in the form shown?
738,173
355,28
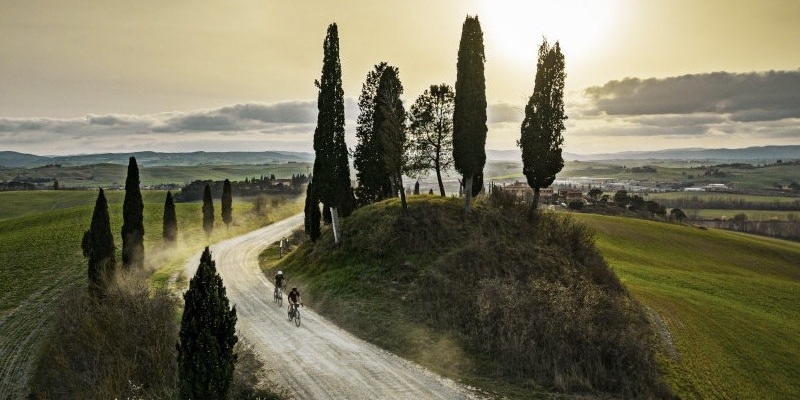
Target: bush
117,347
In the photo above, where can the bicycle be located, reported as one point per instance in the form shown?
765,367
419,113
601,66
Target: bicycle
294,313
278,296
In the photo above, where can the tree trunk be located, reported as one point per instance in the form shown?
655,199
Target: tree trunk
535,202
467,193
335,223
439,177
402,195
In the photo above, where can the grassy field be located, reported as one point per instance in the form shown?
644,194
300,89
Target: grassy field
729,300
40,256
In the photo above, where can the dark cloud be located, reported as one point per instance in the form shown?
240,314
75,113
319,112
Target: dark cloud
748,97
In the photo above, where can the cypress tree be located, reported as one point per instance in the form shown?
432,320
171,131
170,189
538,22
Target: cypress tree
331,166
469,111
132,220
390,119
208,333
312,214
98,247
208,211
170,222
541,131
227,202
373,179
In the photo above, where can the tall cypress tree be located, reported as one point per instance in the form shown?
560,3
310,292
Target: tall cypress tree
373,179
208,211
132,219
469,112
170,222
390,117
541,131
331,166
98,247
208,333
227,203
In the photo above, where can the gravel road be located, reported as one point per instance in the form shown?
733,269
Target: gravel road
318,360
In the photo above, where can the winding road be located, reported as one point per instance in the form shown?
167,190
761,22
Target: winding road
318,360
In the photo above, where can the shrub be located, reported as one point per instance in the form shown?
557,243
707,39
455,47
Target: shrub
114,348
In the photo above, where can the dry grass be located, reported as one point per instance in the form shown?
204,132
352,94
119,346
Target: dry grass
492,298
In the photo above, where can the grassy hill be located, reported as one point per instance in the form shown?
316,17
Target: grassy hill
522,309
724,305
729,300
40,256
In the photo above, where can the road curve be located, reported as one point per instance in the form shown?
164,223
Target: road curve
318,360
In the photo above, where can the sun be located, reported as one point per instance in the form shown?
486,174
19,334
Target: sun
513,29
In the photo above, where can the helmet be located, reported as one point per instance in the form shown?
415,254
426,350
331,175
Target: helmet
294,287
280,272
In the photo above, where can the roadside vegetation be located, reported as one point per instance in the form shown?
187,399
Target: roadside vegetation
482,305
43,268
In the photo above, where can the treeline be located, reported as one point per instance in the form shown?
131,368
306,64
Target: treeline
789,230
730,203
249,187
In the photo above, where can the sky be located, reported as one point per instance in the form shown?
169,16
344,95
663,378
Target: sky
88,76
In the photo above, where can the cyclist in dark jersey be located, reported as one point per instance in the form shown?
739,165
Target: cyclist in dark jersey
294,298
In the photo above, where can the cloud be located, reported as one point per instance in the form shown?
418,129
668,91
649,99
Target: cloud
746,97
505,112
234,127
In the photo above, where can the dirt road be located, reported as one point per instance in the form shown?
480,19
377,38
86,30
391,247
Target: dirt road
318,360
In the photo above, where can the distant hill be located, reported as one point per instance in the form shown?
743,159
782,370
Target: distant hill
765,153
152,159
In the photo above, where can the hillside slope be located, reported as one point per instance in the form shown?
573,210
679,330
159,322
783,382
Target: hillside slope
520,308
729,300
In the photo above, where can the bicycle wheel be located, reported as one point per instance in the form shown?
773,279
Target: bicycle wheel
280,299
297,317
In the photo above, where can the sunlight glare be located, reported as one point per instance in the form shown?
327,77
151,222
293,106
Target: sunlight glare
513,29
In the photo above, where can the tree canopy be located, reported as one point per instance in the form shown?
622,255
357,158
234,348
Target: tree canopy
170,221
373,179
431,133
390,119
98,247
132,219
469,112
331,165
541,132
207,335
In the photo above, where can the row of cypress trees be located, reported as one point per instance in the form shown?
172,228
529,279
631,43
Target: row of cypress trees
381,156
98,242
206,359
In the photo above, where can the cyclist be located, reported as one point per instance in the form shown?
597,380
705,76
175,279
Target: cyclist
278,282
294,299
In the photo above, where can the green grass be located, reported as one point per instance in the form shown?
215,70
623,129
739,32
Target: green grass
40,255
730,301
